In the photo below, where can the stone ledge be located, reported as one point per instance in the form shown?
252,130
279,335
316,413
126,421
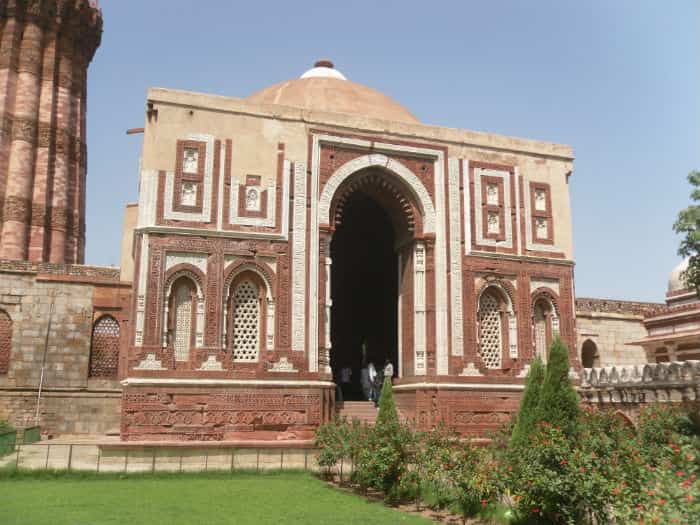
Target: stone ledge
47,270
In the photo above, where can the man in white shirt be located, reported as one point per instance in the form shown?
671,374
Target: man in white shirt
345,375
389,370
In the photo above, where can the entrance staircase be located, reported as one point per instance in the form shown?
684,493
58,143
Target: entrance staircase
363,411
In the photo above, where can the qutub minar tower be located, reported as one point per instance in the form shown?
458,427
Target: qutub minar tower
276,238
45,51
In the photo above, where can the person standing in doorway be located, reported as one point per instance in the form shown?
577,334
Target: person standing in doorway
389,370
345,375
365,381
372,376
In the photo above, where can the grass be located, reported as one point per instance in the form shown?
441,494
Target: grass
60,498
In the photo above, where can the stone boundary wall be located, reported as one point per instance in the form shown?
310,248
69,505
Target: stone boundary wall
63,412
69,271
74,297
163,458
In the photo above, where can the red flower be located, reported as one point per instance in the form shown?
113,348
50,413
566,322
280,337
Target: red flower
536,510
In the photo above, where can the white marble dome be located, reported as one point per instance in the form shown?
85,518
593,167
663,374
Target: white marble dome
323,69
675,280
324,88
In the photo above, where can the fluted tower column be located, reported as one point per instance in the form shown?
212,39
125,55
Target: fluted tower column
45,49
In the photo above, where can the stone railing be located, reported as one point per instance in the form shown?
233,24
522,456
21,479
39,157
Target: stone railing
652,382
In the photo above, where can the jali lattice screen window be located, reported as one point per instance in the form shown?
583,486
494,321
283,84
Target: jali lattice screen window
540,332
182,320
104,352
5,341
491,331
246,322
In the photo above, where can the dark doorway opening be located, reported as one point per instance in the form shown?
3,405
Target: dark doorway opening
364,290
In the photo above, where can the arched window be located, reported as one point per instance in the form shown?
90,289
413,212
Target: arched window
104,351
491,329
589,355
245,321
543,316
183,299
5,341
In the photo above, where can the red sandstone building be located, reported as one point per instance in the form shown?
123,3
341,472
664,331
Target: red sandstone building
275,237
278,233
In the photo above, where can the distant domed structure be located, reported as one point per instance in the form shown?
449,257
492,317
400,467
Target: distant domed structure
324,88
676,280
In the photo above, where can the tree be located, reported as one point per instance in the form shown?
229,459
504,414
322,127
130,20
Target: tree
559,402
529,405
688,225
388,416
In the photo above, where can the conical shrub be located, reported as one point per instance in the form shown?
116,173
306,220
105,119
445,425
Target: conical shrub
388,416
529,405
559,403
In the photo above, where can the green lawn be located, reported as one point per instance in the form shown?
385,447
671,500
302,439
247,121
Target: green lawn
211,499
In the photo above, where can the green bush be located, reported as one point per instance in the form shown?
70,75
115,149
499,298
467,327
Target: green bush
339,441
663,486
557,482
387,451
659,423
476,480
388,416
434,463
5,426
559,403
529,406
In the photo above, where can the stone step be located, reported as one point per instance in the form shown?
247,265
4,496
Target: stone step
363,411
351,415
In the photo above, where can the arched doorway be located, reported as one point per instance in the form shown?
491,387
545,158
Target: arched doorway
589,354
364,289
373,224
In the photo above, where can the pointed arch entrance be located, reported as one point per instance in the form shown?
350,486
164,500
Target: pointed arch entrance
375,260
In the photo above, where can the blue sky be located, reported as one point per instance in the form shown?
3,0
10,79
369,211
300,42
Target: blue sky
617,79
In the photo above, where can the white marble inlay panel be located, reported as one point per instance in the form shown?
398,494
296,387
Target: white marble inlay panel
455,258
198,260
530,244
141,295
552,284
419,327
441,247
299,258
148,198
255,203
493,225
205,214
466,217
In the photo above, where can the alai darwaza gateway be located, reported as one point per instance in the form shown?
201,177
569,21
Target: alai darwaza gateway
317,224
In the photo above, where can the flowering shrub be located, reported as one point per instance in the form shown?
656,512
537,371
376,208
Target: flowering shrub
670,492
594,469
476,480
330,439
434,464
387,450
